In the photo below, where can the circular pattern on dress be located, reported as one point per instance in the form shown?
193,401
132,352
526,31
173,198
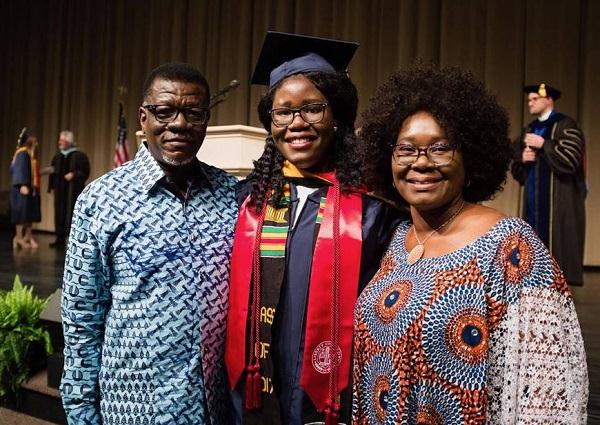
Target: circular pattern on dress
519,263
466,336
455,336
392,299
428,415
381,396
516,256
430,404
380,390
390,305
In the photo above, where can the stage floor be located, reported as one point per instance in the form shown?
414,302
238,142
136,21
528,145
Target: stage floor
43,268
10,417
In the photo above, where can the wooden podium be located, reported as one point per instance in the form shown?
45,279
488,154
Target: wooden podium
233,148
230,147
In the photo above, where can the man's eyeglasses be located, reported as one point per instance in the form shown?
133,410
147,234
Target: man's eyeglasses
439,153
165,114
311,113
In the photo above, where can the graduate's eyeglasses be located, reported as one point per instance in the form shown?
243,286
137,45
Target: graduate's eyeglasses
311,113
439,153
165,114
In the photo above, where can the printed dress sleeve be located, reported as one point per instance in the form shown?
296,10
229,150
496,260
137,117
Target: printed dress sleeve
84,306
537,367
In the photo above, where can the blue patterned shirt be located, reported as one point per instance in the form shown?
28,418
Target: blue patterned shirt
145,298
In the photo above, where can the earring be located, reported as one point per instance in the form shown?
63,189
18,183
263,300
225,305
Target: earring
335,128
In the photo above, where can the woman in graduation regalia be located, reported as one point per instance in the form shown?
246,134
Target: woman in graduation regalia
25,191
308,239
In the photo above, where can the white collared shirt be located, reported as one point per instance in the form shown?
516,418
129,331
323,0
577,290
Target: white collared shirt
545,115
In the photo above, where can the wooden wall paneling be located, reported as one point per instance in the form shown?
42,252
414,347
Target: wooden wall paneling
503,75
234,59
267,15
363,24
552,49
463,31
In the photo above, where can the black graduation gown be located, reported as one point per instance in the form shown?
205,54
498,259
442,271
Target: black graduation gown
66,192
23,208
379,221
559,198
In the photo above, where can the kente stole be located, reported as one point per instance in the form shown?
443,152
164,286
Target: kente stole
335,270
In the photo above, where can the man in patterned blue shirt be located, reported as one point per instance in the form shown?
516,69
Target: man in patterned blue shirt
146,274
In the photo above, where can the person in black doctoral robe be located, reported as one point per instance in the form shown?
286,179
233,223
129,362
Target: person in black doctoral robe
550,164
70,170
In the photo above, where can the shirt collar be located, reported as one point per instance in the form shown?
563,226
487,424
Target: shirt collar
68,150
545,115
150,172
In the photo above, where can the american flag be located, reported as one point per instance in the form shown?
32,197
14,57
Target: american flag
121,155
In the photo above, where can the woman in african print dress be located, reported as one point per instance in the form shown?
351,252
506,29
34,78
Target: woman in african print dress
469,319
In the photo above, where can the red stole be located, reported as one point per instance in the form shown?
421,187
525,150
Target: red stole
332,293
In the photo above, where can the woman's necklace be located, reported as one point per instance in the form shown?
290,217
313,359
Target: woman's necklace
416,253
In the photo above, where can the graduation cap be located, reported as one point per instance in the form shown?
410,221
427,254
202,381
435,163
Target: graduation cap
543,90
284,54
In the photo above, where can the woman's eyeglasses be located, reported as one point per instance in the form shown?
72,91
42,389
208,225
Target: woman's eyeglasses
311,113
439,153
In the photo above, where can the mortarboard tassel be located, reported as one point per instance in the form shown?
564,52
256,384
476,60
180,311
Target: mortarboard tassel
253,387
332,413
257,385
249,401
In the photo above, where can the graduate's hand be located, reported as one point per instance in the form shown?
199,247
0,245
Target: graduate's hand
24,190
529,155
69,176
534,141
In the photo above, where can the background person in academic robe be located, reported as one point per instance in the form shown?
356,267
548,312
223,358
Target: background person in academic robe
307,240
549,163
25,190
70,169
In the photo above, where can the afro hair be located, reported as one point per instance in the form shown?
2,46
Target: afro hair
469,114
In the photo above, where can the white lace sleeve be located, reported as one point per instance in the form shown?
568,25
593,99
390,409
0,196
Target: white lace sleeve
537,366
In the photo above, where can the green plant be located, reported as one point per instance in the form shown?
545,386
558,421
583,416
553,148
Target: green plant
19,332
